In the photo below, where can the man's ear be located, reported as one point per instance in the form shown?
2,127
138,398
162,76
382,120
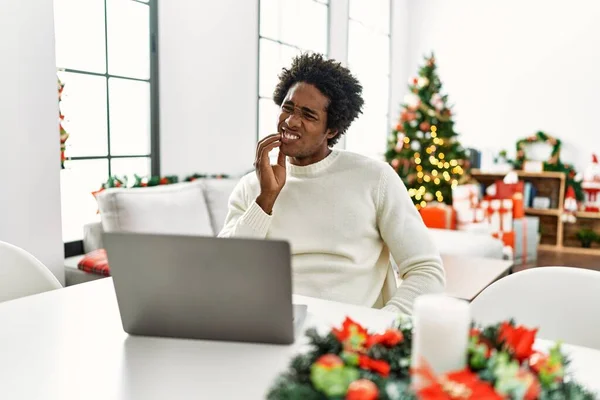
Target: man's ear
331,133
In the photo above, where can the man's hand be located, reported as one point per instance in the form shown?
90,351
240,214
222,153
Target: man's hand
271,177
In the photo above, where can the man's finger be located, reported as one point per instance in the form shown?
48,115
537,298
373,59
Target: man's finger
281,158
264,142
264,157
261,144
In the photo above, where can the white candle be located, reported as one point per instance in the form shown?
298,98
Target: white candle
441,334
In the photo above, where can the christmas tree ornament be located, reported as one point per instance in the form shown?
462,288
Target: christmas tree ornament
422,81
413,123
416,146
412,101
420,135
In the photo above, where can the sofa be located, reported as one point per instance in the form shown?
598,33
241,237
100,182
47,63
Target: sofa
200,208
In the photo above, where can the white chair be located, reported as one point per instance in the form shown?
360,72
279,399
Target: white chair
21,274
561,301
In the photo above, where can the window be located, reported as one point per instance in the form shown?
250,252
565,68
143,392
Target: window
369,59
106,57
282,36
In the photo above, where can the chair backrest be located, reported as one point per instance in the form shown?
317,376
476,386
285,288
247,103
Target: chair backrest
21,274
561,301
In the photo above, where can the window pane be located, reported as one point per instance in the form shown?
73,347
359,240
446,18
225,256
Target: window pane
368,134
270,19
128,39
268,115
129,117
368,52
273,58
375,14
84,108
78,180
79,30
294,15
375,93
129,167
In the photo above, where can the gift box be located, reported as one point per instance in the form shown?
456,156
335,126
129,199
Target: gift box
471,216
526,239
513,191
439,216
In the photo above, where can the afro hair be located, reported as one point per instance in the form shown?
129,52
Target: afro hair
336,82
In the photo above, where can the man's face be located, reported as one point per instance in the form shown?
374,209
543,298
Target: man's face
303,124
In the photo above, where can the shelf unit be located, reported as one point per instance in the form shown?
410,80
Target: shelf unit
556,235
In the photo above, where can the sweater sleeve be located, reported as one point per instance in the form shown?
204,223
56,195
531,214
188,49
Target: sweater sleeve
405,234
245,218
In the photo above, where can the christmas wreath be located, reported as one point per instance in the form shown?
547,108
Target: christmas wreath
553,164
350,363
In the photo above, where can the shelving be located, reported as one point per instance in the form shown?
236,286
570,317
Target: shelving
555,235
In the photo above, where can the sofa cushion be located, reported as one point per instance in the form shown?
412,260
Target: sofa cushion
168,209
217,192
95,262
466,243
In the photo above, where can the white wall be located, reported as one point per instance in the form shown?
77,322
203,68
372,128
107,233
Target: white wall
208,85
513,67
29,137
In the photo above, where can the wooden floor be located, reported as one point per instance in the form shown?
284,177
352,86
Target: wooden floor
553,258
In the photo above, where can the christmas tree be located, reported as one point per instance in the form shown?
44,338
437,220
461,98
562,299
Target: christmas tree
423,148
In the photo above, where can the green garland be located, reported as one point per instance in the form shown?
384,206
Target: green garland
350,363
554,164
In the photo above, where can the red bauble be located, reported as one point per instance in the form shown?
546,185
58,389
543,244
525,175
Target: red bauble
362,389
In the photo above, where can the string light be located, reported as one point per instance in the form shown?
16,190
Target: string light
412,192
406,139
434,172
417,161
417,155
423,204
418,197
446,176
437,181
436,141
441,142
428,150
433,160
441,156
422,189
420,174
454,163
433,131
426,178
438,193
419,168
433,134
446,165
441,199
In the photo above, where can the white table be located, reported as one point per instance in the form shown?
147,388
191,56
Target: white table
467,276
69,344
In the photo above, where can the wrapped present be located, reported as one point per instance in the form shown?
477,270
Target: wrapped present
526,239
513,191
439,216
471,215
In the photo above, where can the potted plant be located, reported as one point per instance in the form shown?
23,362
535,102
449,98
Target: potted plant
587,236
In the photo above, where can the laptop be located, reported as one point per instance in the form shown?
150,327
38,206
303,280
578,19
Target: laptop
204,287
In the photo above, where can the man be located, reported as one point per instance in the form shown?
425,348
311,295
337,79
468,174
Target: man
341,212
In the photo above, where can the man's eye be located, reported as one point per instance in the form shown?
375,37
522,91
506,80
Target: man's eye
309,117
287,108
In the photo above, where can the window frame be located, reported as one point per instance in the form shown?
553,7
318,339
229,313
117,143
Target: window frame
74,248
390,53
259,97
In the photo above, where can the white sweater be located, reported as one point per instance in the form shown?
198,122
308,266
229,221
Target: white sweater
340,216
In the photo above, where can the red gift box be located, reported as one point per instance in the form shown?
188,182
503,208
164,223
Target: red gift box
439,216
515,192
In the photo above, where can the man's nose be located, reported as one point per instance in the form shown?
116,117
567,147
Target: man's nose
293,120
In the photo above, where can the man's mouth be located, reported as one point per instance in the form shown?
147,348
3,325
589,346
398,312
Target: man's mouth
289,136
